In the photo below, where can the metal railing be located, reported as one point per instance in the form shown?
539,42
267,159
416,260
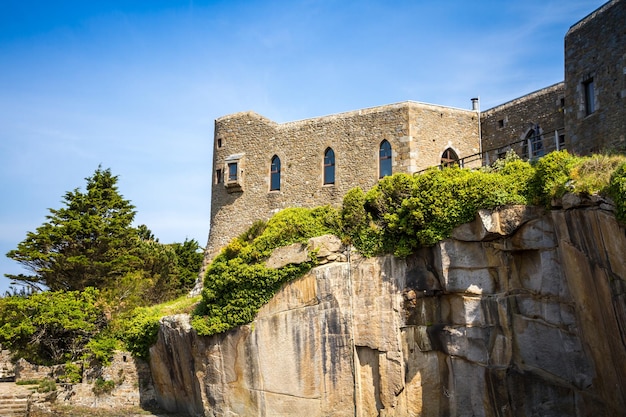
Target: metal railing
530,148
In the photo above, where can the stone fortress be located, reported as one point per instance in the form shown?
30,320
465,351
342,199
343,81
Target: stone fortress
261,167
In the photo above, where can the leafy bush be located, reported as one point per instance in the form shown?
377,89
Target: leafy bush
404,212
237,283
51,327
138,330
103,386
72,373
617,191
358,228
293,225
101,347
552,174
593,174
46,385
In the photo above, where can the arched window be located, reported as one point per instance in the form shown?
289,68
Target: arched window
449,158
275,174
533,139
329,166
384,159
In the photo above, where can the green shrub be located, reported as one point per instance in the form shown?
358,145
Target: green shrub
138,330
51,327
46,385
358,228
102,347
102,386
72,373
592,174
552,176
617,191
402,212
237,283
293,225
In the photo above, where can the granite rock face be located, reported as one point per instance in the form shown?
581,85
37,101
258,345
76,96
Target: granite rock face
521,313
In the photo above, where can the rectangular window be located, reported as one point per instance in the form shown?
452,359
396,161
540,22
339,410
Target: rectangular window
232,171
219,142
590,105
218,176
501,123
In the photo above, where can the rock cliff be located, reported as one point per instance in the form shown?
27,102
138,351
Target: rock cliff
520,313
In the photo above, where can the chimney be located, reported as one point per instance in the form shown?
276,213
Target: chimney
475,104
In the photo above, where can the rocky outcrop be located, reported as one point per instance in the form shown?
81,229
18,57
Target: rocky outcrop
520,313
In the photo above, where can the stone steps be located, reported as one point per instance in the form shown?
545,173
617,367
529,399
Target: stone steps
14,400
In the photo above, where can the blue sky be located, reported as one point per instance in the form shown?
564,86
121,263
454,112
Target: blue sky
135,86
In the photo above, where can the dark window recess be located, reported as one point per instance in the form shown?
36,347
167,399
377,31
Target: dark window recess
534,139
275,174
590,104
384,159
219,142
449,158
501,123
218,176
329,166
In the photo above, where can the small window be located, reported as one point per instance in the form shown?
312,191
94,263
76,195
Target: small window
501,123
218,176
329,166
449,158
589,90
232,172
384,159
219,142
275,174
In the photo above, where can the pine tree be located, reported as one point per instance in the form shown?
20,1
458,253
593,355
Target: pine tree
88,242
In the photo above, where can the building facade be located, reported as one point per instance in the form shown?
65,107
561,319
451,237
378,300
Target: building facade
260,166
595,81
532,125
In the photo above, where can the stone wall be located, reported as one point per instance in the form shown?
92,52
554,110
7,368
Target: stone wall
132,385
595,50
520,313
418,134
7,369
131,376
512,121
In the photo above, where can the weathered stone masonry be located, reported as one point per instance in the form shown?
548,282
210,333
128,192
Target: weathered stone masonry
561,116
418,134
513,121
595,52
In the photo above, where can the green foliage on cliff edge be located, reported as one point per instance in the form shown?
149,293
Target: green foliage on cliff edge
400,214
237,283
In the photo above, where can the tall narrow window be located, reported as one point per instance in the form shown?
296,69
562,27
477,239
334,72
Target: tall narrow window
232,171
533,144
275,174
218,176
384,159
329,166
449,158
590,104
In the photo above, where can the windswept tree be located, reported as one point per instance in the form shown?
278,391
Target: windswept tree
90,242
